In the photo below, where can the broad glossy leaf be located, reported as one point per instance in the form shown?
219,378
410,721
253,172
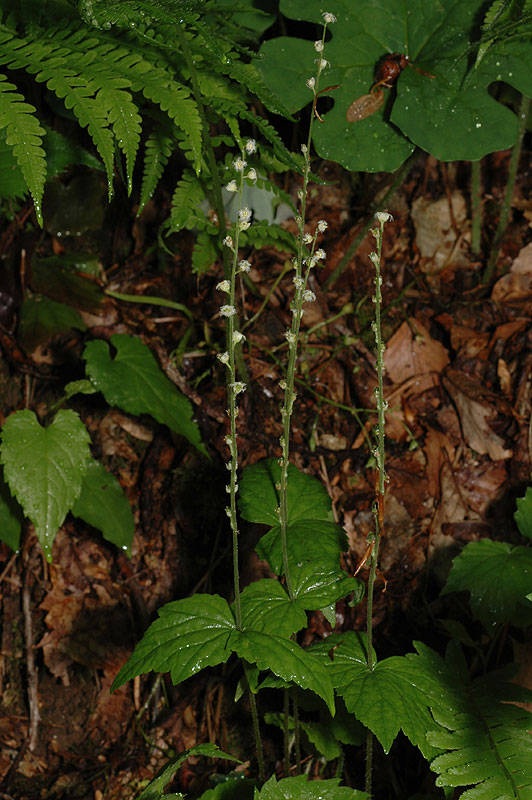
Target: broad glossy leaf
315,588
308,540
133,381
523,515
45,467
42,318
266,607
65,279
499,577
234,787
259,499
393,696
286,659
103,505
300,788
449,115
154,790
189,635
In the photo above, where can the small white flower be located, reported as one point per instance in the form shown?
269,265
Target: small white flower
298,313
239,164
320,254
304,149
318,46
223,286
290,337
321,226
311,83
308,296
383,216
328,18
238,387
282,385
244,214
250,147
232,186
244,266
238,337
227,311
252,175
374,258
298,282
228,440
228,512
228,241
322,63
307,238
224,357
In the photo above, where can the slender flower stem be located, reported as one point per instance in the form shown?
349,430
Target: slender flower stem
306,259
379,453
476,206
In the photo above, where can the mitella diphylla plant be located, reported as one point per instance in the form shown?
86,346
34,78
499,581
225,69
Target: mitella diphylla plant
467,728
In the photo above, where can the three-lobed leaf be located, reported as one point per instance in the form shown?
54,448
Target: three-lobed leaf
45,467
134,381
499,577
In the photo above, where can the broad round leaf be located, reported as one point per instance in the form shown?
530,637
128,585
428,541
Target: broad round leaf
103,505
45,467
133,381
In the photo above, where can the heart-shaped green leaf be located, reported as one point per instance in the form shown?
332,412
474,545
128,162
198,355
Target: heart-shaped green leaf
266,607
444,109
300,788
45,467
103,505
259,499
308,540
189,635
499,577
133,381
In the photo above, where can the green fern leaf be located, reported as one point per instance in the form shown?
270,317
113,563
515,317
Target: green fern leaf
158,150
24,135
126,123
186,200
486,736
260,234
204,253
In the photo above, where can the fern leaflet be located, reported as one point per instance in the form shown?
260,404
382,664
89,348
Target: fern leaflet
158,151
24,135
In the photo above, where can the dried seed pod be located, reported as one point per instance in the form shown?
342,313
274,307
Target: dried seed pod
365,106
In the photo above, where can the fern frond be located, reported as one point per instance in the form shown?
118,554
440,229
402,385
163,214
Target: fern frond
24,135
260,234
159,146
186,200
126,124
126,13
204,253
486,736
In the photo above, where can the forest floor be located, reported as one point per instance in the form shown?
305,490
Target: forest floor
458,383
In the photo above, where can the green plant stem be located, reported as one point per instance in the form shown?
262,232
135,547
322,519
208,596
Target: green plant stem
292,335
297,737
524,109
379,453
256,728
344,262
476,206
286,731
